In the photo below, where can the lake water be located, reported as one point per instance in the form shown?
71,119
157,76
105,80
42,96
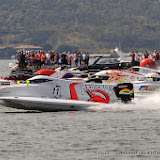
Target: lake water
116,131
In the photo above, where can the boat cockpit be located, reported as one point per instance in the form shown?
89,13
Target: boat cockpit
97,79
38,79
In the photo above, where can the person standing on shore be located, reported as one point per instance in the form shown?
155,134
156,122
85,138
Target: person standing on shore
38,59
84,58
43,59
76,59
87,59
22,61
63,58
137,58
133,62
79,58
48,59
146,55
69,58
154,53
157,58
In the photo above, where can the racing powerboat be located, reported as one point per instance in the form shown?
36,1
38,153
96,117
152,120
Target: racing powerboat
45,93
150,83
145,80
115,76
19,76
22,75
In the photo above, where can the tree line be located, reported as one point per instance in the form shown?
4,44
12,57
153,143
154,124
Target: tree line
93,25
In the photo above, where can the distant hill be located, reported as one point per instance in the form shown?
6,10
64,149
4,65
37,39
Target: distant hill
93,25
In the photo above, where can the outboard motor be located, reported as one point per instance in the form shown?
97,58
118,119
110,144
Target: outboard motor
124,91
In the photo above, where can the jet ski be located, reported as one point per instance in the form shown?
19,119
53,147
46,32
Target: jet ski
45,93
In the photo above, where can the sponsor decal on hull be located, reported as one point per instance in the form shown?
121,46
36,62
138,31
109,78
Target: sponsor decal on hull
96,98
116,77
97,93
147,88
126,91
73,92
56,92
106,88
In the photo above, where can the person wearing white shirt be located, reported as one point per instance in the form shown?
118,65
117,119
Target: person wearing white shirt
48,58
137,59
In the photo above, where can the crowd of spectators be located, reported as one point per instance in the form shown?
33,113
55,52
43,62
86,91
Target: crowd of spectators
50,59
137,57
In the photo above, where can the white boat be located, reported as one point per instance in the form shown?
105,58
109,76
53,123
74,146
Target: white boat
145,80
20,76
45,93
150,83
116,76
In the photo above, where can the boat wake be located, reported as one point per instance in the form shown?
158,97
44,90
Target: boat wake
149,102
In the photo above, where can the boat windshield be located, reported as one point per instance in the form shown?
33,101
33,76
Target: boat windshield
38,81
100,77
94,80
